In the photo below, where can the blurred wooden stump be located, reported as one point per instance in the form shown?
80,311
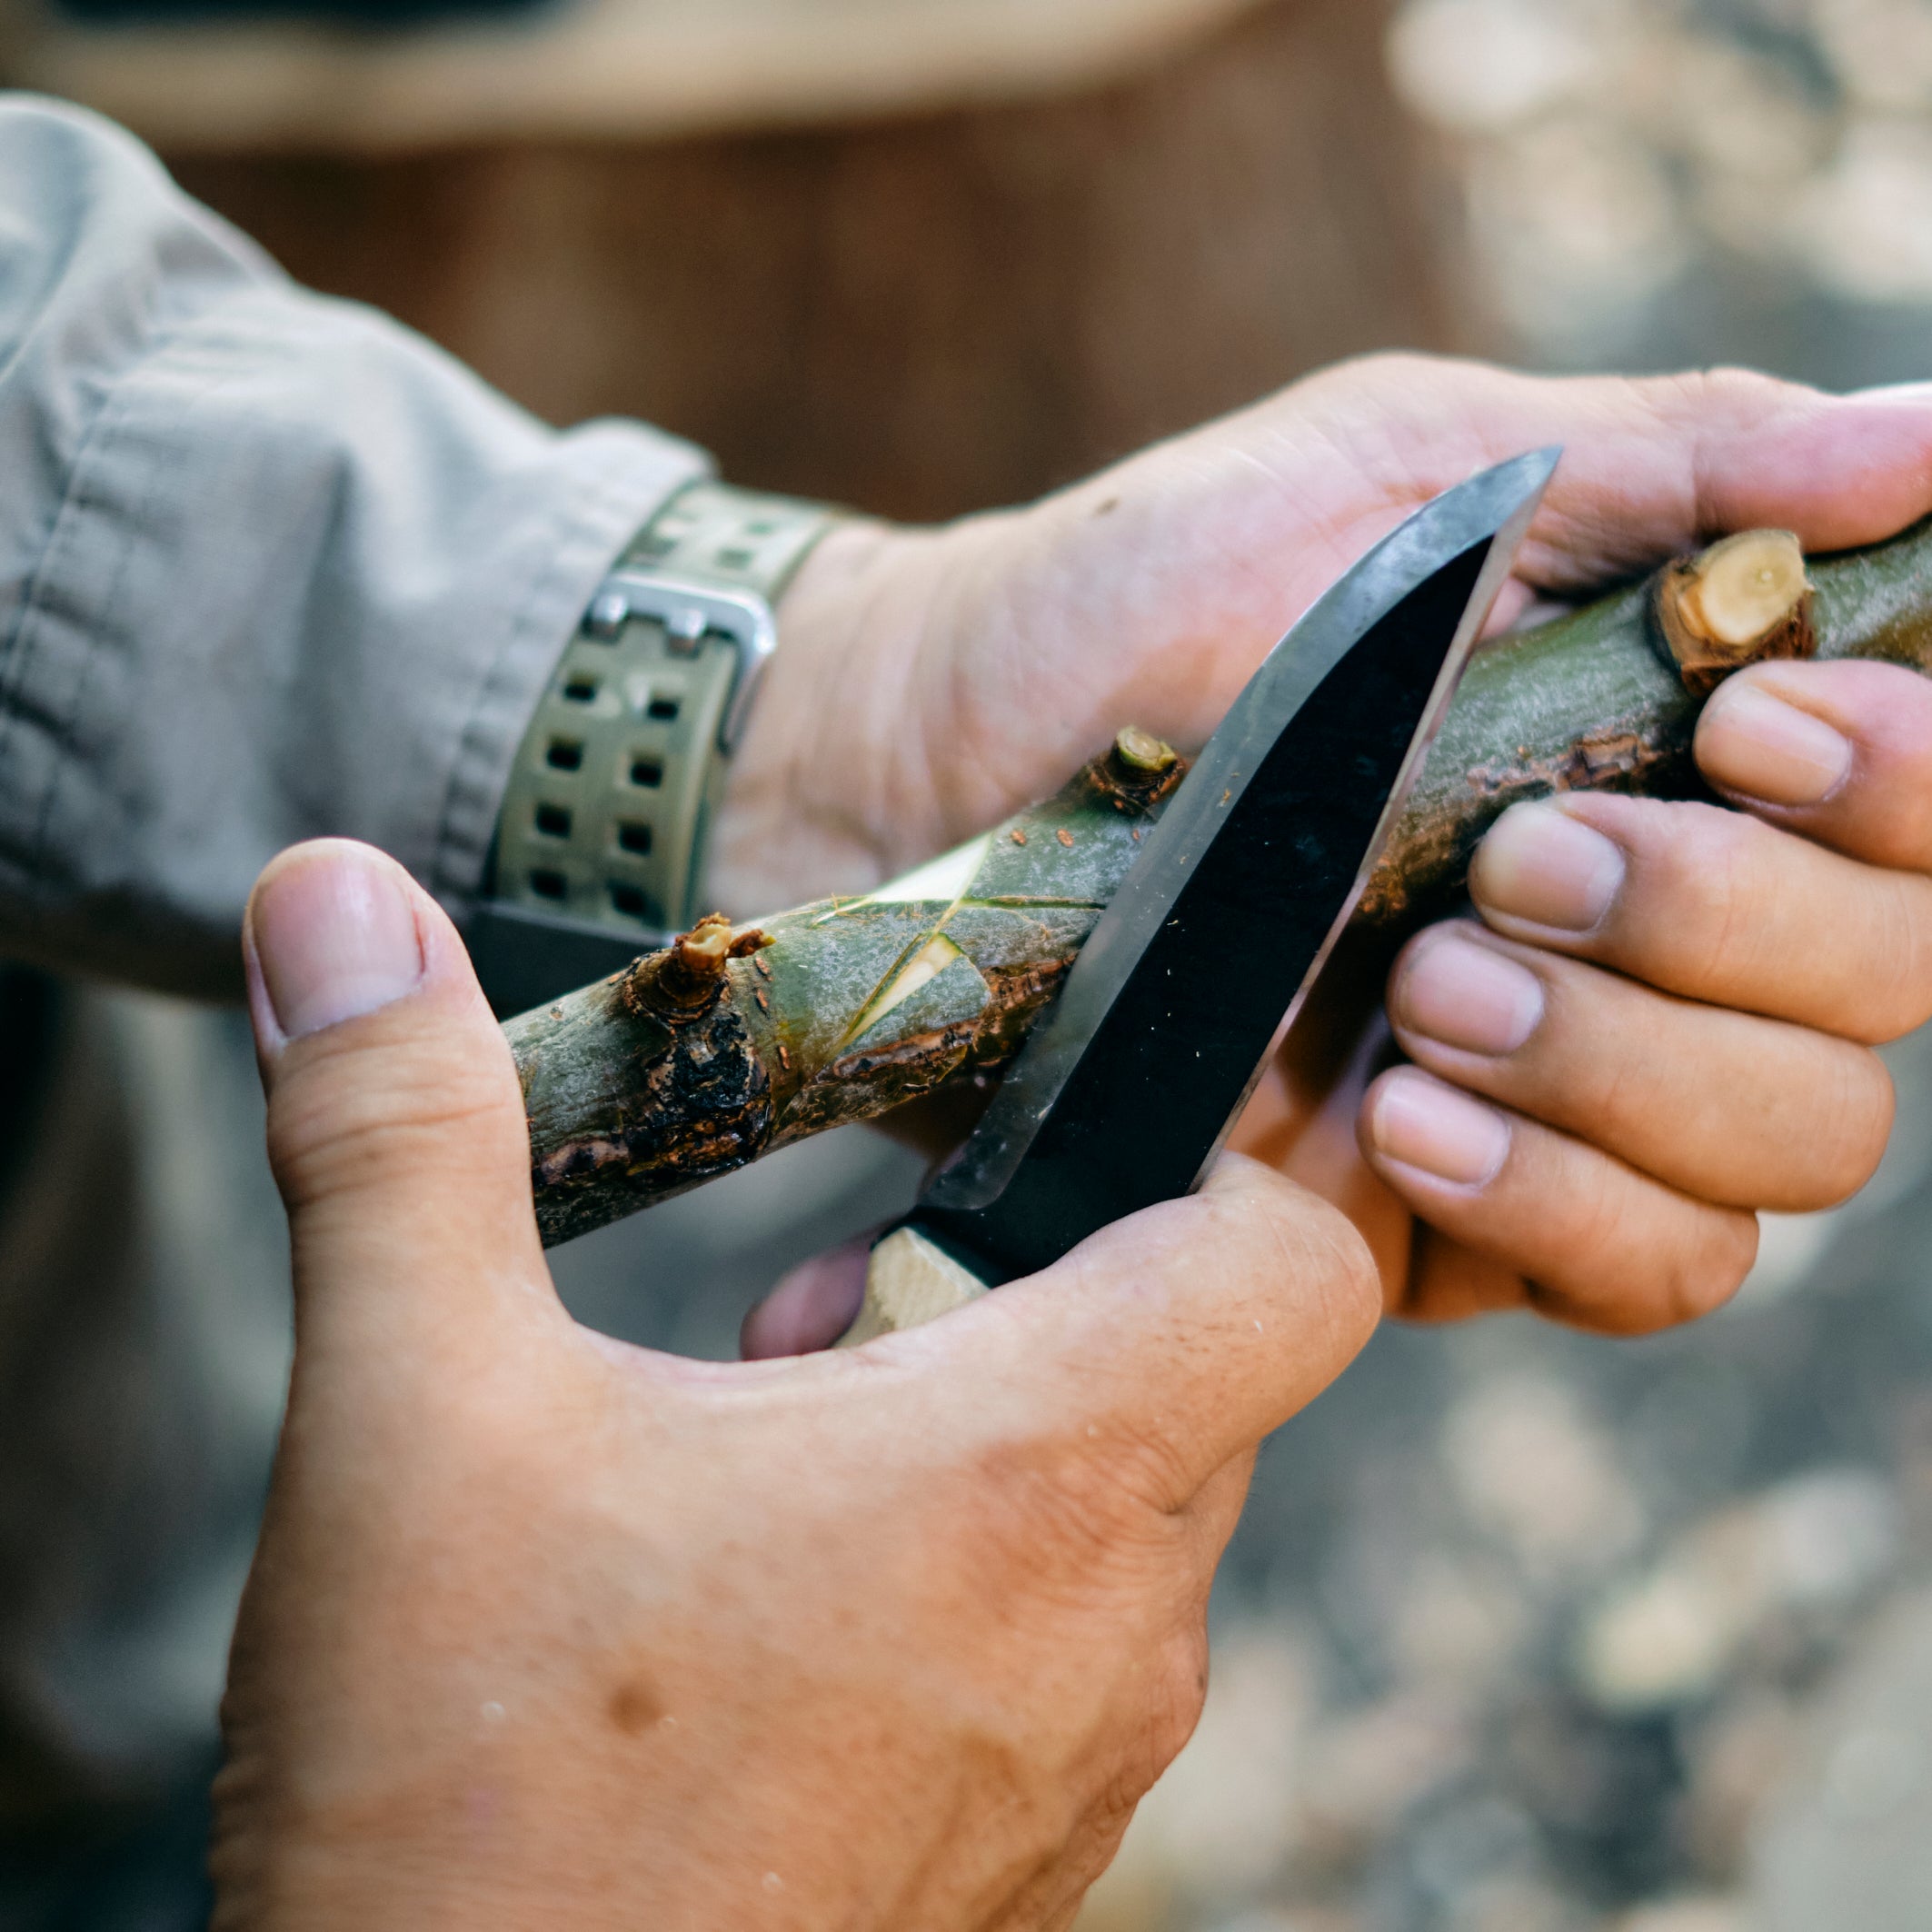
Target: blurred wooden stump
923,315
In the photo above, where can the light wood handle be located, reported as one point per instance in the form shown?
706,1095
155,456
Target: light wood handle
907,1281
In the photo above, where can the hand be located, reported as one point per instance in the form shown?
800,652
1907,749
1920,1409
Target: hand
547,1629
942,679
930,681
1673,1005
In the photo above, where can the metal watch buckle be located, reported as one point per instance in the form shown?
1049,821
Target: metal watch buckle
688,611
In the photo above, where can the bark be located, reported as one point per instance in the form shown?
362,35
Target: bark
700,1058
1596,702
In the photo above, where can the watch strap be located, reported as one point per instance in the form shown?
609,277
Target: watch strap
713,533
601,839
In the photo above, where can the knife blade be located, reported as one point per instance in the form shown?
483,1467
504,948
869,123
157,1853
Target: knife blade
1127,1086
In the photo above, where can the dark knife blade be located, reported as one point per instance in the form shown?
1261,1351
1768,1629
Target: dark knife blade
1125,1090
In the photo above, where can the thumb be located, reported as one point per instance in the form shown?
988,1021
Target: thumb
395,1122
1190,1329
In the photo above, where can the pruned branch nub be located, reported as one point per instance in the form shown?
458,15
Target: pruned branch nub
1139,772
1739,601
682,982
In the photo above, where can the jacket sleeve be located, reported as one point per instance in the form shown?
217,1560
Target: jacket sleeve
270,567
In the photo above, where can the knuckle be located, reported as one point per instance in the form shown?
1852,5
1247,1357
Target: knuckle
1718,397
1601,1212
1896,959
1639,1282
1177,1696
1714,876
1850,1105
1157,1704
336,1125
1716,1258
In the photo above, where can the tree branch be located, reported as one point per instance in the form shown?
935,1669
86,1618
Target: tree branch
700,1059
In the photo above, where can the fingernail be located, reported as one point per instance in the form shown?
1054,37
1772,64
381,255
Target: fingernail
1468,996
1752,741
1540,865
334,935
1423,1124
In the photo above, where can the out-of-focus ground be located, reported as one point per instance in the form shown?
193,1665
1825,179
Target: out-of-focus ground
1523,1631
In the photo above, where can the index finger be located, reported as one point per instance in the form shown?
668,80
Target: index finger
1654,465
1180,1336
1839,753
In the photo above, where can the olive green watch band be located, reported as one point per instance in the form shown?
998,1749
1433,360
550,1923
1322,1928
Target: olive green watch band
601,842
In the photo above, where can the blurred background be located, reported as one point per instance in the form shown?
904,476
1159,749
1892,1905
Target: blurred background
1523,1631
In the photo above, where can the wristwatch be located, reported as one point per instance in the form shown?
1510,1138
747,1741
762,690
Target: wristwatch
600,846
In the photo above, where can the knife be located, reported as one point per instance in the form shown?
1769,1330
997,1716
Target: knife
1126,1089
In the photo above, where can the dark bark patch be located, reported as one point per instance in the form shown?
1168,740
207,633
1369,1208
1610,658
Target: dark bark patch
698,1107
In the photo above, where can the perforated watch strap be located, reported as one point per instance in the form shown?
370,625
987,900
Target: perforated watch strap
603,831
739,539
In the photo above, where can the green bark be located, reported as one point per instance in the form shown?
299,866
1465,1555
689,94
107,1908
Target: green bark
852,1007
1592,702
856,1006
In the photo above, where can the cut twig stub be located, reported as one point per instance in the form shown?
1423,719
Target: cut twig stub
1742,600
681,981
1139,772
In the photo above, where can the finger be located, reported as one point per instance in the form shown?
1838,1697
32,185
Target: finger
1841,752
1603,1246
1715,905
1722,1105
1653,466
810,1308
1451,1281
395,1123
1173,1341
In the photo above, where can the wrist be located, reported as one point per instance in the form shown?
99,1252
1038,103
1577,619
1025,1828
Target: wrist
837,781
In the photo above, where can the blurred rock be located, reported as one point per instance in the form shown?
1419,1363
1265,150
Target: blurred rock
1843,1844
1668,1637
1535,1469
1614,153
1737,1756
1479,66
1369,1768
1688,1915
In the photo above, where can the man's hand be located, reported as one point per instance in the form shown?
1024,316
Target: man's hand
933,680
1672,1007
544,1629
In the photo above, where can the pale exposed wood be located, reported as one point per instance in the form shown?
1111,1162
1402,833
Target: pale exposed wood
699,1059
909,1282
1741,600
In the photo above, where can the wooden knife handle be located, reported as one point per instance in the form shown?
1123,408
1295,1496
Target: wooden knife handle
908,1281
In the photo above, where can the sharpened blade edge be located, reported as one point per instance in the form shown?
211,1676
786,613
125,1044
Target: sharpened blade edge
1497,566
1495,506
